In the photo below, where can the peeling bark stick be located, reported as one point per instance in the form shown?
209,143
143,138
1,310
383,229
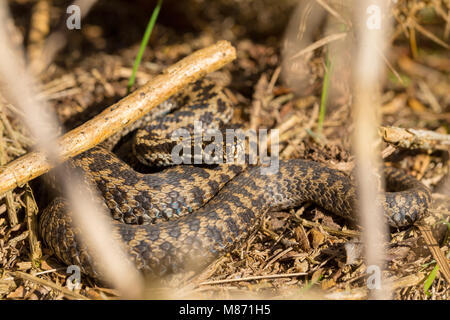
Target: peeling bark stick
121,114
415,139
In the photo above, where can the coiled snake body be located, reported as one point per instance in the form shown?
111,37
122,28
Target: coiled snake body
186,216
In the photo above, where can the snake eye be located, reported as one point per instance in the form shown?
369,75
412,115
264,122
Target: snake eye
168,213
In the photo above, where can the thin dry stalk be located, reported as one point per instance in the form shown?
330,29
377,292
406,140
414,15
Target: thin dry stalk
68,293
367,75
342,233
438,255
98,237
10,204
363,293
31,210
269,276
334,13
39,28
320,43
58,39
427,33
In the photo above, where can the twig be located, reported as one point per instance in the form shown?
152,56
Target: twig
31,212
320,43
39,28
334,13
310,224
13,134
270,276
10,204
391,67
277,257
65,291
427,33
363,292
14,241
435,251
415,139
121,114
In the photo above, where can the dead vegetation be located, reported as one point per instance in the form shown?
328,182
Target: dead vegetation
304,253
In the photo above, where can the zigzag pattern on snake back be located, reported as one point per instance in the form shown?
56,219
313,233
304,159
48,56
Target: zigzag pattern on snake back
187,216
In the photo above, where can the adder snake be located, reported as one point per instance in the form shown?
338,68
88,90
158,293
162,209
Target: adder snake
187,216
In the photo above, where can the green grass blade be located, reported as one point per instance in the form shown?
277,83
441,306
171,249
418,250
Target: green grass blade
147,34
430,280
309,284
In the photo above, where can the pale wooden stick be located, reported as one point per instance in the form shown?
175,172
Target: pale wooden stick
121,114
415,139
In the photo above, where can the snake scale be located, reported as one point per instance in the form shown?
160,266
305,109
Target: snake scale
186,216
